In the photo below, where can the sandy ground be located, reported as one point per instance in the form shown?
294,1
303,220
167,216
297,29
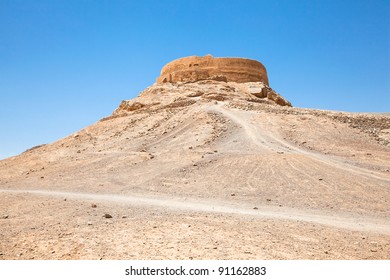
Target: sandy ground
203,171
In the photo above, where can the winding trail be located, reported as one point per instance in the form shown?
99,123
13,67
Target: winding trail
266,141
355,223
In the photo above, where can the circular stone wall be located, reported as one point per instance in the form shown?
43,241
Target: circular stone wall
197,68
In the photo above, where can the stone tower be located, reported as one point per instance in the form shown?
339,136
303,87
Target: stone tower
197,68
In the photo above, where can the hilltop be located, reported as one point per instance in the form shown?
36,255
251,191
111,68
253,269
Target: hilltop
205,169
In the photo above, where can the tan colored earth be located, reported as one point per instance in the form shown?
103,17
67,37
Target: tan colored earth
204,170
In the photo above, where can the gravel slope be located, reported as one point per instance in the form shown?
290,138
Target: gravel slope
199,171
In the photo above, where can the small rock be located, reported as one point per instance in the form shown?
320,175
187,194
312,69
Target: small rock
107,216
64,198
93,205
232,194
90,223
255,208
124,217
190,148
42,177
320,179
78,151
374,250
268,199
5,217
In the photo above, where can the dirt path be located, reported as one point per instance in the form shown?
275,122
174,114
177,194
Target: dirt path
261,139
357,223
261,136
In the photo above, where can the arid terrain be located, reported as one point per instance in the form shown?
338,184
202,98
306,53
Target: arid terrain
203,170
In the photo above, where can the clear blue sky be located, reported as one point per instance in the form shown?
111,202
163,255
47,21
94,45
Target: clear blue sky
66,64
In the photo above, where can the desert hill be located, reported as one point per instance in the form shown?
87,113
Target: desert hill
200,169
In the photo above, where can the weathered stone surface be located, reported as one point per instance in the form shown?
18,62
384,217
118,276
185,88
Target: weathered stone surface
197,68
127,106
272,95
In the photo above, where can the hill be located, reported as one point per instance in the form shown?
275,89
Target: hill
204,170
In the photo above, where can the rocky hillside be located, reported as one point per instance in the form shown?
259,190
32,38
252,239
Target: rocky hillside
203,170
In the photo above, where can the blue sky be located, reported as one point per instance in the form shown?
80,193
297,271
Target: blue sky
65,64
